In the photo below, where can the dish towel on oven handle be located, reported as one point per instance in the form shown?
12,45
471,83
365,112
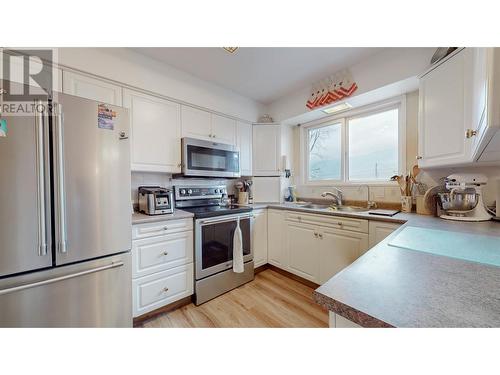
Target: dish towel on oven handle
238,249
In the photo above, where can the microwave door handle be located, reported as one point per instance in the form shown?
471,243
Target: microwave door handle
59,180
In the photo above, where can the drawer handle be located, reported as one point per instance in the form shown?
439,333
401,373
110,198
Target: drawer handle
165,228
165,253
165,289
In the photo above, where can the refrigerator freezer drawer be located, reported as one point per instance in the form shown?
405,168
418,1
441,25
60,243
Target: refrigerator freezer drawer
90,294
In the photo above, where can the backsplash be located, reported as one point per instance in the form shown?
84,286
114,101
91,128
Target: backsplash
166,180
387,194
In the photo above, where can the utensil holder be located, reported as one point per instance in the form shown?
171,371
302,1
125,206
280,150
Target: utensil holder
406,203
243,197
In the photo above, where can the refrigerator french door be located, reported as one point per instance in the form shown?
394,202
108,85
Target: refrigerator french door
65,223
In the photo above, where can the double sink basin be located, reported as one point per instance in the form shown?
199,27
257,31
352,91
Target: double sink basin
333,208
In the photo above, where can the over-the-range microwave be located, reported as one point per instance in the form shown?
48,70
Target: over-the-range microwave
202,158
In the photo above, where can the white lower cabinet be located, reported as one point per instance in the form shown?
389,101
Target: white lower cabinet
259,237
159,289
380,230
338,321
276,253
338,249
302,246
162,264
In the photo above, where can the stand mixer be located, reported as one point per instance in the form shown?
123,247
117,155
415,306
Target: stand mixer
464,202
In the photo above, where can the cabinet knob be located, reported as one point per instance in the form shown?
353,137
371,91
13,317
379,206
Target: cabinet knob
340,223
299,218
165,253
320,235
165,228
179,165
315,234
419,157
470,133
165,289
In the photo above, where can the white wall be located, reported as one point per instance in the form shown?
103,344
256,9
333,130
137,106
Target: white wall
382,69
129,67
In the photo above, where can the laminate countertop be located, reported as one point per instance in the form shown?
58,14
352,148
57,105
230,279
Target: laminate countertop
138,218
395,287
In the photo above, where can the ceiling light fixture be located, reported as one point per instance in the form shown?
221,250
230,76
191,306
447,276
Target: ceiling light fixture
337,108
230,49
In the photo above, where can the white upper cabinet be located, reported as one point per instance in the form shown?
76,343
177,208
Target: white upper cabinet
457,113
200,124
91,88
155,130
244,143
196,123
443,113
266,150
223,129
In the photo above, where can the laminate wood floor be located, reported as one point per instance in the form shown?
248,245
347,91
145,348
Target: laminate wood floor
271,300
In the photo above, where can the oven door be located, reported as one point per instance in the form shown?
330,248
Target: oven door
214,243
209,159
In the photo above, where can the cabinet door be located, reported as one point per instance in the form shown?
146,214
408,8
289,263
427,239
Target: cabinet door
275,236
259,238
244,143
379,231
266,150
91,88
196,123
444,112
223,129
337,250
303,253
156,129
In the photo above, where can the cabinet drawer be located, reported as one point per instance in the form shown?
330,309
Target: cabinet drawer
161,228
150,255
157,290
336,222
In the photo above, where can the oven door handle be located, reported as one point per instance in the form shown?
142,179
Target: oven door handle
225,220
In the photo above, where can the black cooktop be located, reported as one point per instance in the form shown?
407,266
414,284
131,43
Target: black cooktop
210,211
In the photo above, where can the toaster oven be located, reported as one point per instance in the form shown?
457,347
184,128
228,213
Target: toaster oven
155,200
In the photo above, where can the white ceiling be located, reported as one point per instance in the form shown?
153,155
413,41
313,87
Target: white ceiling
262,74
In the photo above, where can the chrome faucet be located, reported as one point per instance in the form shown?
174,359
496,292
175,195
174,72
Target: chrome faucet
337,196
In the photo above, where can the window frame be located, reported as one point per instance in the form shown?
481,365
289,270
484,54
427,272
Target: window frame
343,118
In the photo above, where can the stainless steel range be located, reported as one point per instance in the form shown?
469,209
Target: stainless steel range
215,226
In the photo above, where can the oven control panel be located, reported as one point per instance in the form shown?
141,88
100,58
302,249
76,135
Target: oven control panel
199,192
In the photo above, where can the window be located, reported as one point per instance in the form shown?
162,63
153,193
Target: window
373,146
371,141
325,153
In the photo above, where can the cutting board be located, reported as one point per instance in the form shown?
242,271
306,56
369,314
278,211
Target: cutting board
465,246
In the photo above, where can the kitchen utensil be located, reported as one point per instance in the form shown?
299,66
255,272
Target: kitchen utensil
430,198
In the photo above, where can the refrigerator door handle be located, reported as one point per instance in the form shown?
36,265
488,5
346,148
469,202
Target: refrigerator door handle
40,172
61,278
59,180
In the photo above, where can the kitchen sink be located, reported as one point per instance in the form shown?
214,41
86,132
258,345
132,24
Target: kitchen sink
348,208
315,206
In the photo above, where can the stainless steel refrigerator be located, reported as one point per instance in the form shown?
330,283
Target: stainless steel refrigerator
65,215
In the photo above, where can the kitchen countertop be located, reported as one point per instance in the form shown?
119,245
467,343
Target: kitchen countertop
395,287
138,218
